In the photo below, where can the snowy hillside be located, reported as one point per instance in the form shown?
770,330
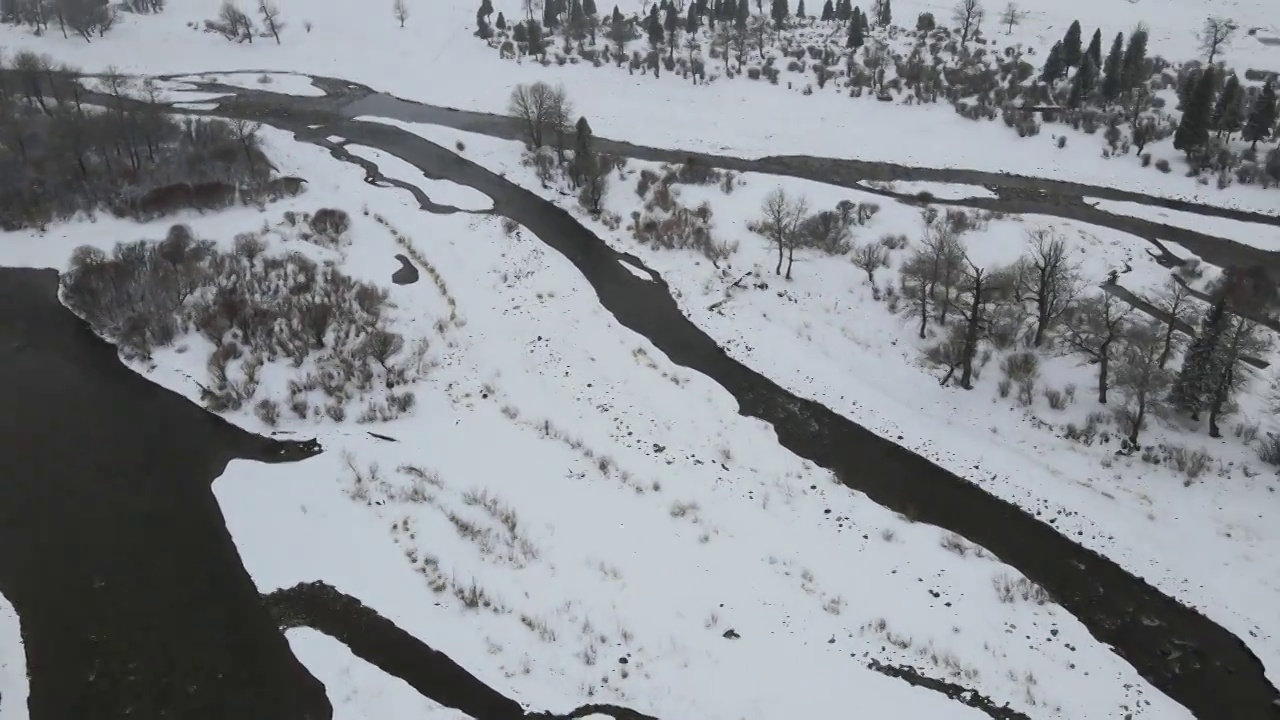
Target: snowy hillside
519,481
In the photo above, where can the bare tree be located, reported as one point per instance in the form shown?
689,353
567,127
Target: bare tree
560,118
1094,329
782,218
1010,16
1216,34
935,262
382,344
271,18
400,8
532,105
239,26
1174,301
1141,376
871,257
979,289
1047,280
968,15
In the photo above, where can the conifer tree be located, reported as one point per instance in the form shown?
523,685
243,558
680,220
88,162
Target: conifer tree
886,14
1262,116
537,44
1227,114
1135,59
550,15
866,26
1193,389
1113,69
779,13
741,15
1070,52
1054,67
800,9
653,26
844,10
1193,130
1083,82
1095,48
577,20
691,22
617,17
828,12
589,7
856,38
501,22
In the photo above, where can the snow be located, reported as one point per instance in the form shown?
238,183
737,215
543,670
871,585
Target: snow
942,191
441,192
539,400
13,665
451,68
652,518
287,83
1205,544
1259,235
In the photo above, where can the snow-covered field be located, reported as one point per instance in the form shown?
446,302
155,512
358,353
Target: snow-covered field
1265,237
436,59
561,498
556,504
1205,544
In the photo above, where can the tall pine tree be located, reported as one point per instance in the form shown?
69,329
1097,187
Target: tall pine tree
779,13
1083,82
828,12
886,14
1262,116
1054,66
1113,69
1095,48
1193,130
691,22
1227,114
1135,59
856,39
1071,45
800,10
1197,380
741,15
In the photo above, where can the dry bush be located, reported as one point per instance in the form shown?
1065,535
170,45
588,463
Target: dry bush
1010,590
254,309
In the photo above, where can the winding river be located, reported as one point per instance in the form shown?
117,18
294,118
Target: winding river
128,575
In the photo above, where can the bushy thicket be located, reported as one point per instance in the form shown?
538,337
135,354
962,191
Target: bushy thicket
253,309
85,18
667,224
60,155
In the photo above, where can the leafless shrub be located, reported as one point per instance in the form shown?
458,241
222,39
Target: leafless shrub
1010,590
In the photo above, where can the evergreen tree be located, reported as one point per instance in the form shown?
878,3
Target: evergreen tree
577,20
856,39
1083,82
537,44
779,13
589,7
616,17
1095,48
1054,67
741,15
828,13
483,31
550,16
1227,115
653,26
1196,383
519,34
1113,69
1070,52
800,10
691,22
671,22
1193,130
886,14
1262,116
486,9
1135,59
862,20
844,10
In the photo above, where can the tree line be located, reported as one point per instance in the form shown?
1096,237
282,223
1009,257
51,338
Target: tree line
84,18
64,152
1041,301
